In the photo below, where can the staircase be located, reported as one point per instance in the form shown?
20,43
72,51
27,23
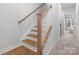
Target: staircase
38,36
34,35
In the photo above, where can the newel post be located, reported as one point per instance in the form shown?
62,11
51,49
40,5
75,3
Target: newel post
39,39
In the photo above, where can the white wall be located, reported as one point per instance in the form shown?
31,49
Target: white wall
9,15
69,13
61,17
30,21
77,22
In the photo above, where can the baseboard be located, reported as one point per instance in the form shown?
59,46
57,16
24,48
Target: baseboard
9,48
48,52
30,47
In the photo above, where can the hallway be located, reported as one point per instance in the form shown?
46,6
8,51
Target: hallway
67,45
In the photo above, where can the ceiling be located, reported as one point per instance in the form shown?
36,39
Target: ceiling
68,8
68,5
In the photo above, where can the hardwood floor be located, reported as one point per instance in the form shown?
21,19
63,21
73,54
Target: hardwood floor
20,51
67,45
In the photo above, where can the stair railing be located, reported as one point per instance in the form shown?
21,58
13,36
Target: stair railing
40,15
46,30
31,13
47,34
41,41
40,30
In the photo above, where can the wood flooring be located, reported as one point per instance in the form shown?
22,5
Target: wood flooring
67,45
21,50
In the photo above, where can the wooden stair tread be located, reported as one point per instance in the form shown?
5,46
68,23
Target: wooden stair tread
21,50
36,26
34,30
33,35
31,42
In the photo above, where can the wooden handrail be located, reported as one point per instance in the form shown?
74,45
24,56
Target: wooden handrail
31,13
48,33
39,40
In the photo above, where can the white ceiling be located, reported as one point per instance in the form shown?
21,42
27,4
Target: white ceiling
68,5
68,8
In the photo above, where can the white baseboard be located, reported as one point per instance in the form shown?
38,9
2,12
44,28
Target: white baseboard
9,48
30,47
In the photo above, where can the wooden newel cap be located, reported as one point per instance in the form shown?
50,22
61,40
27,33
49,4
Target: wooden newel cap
39,14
